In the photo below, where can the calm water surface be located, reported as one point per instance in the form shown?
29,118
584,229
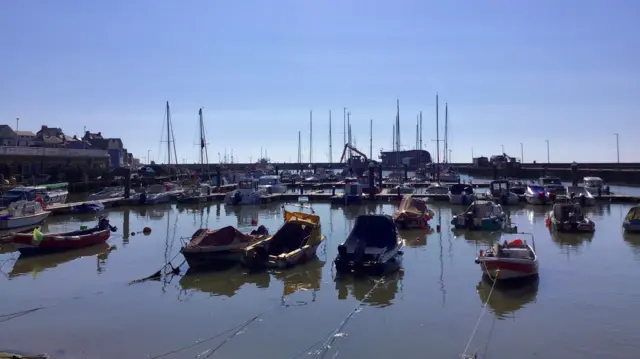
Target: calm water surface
581,307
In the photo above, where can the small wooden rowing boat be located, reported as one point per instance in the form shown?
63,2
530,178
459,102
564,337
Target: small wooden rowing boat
37,243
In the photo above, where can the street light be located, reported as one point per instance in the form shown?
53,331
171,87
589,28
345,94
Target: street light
521,153
617,145
548,160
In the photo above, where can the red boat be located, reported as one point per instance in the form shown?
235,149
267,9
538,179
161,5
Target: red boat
36,244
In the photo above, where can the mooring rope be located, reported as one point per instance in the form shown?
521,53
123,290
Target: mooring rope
330,337
482,312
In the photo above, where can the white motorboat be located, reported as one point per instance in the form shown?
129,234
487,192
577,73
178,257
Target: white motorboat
402,189
510,260
449,175
22,214
246,193
537,195
436,188
154,194
107,193
373,246
594,185
552,185
55,193
568,217
581,196
500,192
271,184
461,194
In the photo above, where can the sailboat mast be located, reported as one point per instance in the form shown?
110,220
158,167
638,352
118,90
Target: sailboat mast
310,136
330,141
299,148
437,141
201,137
370,139
417,144
421,130
446,132
349,132
344,125
168,134
397,132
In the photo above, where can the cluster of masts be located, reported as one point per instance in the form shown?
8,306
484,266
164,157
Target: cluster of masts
349,140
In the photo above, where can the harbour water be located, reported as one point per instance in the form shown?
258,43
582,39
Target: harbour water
581,307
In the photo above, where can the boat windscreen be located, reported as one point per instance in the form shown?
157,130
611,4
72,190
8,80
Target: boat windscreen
375,230
536,189
633,214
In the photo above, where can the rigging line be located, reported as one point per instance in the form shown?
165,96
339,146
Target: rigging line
482,312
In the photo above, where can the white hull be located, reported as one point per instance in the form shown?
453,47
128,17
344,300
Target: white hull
158,198
278,189
26,221
247,198
106,195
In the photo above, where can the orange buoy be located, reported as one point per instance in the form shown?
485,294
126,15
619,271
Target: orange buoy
146,231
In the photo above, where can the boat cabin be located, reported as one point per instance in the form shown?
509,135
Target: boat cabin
18,193
461,188
549,181
567,212
269,181
593,182
353,189
485,209
248,184
498,188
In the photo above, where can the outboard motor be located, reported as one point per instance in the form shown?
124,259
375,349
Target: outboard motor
143,198
260,231
468,220
552,196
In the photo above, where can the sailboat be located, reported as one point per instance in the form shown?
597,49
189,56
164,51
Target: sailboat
199,192
163,193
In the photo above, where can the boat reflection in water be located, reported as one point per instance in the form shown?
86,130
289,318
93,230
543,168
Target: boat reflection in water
564,239
154,212
358,287
35,265
633,239
478,236
223,283
507,299
415,238
305,277
248,215
352,212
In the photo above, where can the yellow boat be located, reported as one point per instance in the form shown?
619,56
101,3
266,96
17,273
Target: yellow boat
294,243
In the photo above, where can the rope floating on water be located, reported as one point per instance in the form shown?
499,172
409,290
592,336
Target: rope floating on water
482,312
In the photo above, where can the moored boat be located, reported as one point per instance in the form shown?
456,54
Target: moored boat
461,193
373,246
632,220
107,193
198,193
481,215
247,193
295,242
210,249
500,192
352,194
568,217
23,214
538,195
510,260
42,243
412,213
88,207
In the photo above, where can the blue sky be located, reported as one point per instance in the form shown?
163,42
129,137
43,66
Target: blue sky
512,71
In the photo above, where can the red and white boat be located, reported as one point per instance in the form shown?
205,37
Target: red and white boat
510,260
37,243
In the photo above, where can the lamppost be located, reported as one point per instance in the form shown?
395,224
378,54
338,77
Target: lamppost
521,153
548,157
617,145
